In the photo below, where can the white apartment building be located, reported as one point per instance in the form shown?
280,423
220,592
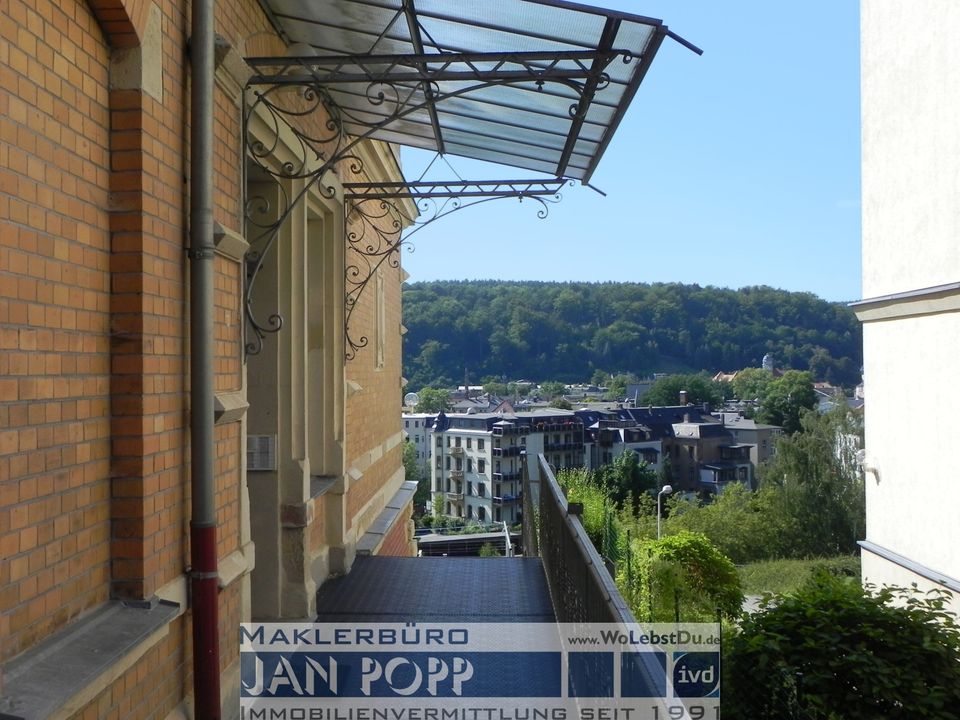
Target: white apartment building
610,436
478,459
911,268
418,427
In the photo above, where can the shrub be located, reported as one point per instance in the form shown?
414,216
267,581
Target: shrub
580,488
488,550
746,526
836,650
684,571
787,575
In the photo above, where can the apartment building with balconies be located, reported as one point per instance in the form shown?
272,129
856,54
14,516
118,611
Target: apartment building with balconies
609,434
705,458
478,460
418,427
749,432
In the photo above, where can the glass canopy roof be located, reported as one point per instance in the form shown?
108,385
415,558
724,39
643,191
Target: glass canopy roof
534,84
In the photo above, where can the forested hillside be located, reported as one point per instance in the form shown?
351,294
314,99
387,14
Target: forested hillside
567,331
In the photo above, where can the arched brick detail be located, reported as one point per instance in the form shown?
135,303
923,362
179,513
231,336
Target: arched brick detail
122,21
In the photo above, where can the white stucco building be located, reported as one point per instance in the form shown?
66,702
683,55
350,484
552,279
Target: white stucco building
418,427
478,459
911,286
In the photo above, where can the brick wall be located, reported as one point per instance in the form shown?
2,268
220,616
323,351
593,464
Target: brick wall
94,405
93,322
54,319
397,543
373,415
148,303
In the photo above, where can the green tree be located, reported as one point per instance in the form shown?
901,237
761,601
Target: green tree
699,389
751,383
785,400
563,331
432,400
495,387
617,385
835,650
820,484
746,526
600,378
626,475
552,389
413,470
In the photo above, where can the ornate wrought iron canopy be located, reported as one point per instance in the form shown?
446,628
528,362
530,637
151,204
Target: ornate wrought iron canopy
534,84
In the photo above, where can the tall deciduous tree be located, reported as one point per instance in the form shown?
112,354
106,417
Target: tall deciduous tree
413,470
626,475
432,400
785,400
552,389
751,383
821,482
699,389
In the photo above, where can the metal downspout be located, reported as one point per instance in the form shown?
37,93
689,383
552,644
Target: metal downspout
203,522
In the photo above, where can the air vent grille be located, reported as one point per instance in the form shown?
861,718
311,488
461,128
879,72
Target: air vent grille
261,453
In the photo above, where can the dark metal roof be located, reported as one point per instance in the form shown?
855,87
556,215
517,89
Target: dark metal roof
438,589
535,84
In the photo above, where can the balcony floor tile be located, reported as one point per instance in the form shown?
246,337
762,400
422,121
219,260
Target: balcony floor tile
438,589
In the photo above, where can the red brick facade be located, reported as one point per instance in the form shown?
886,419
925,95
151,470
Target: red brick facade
55,319
94,338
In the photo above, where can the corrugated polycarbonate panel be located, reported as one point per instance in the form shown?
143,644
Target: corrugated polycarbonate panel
532,28
509,122
502,158
493,128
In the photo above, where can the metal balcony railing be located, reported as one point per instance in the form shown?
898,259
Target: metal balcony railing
456,451
581,588
507,476
512,451
515,430
562,446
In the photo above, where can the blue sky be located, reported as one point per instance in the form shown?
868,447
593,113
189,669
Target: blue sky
739,167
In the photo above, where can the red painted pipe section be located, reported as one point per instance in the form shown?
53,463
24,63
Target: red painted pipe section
206,635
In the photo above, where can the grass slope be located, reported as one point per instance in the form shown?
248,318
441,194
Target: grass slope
783,576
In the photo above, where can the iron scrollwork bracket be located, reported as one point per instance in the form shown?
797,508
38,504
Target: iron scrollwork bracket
284,96
379,224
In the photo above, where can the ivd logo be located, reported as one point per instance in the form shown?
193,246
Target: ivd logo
696,674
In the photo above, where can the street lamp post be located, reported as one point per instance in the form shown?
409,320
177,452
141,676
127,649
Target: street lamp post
665,490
